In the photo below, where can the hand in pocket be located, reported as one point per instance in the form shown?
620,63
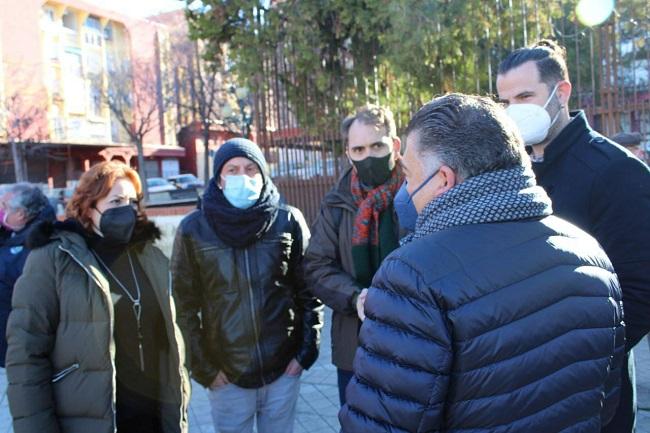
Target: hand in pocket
219,381
294,368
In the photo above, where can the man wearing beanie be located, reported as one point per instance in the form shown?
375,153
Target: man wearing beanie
249,322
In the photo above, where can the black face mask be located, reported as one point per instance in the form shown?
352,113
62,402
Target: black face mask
374,171
117,224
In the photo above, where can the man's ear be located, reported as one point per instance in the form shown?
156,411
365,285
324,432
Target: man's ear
449,180
397,146
563,92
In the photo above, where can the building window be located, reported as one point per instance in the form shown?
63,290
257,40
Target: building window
95,99
94,63
73,83
59,130
69,21
108,33
93,31
73,64
48,16
93,23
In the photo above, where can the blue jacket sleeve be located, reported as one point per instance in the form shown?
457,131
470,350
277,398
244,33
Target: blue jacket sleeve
403,363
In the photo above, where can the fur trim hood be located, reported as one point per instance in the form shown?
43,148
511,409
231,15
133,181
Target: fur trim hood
45,232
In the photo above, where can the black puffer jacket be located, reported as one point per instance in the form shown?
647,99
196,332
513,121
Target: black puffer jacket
600,187
245,311
500,328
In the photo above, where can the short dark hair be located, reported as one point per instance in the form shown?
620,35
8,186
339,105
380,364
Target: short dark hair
549,57
370,114
471,134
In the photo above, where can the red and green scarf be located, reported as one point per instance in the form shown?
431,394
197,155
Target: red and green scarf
374,235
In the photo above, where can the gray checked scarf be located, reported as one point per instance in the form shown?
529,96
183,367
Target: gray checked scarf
498,196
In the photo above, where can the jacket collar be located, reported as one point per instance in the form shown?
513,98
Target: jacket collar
45,232
21,236
565,139
72,240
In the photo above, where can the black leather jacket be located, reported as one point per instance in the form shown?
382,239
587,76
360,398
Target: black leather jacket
245,311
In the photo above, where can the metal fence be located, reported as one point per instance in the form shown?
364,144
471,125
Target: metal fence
609,66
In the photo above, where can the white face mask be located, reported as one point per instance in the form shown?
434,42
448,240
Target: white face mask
533,121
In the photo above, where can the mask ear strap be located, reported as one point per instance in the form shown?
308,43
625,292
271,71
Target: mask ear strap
552,94
556,115
423,184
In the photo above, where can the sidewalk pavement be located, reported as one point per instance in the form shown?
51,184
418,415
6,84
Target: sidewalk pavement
318,405
319,402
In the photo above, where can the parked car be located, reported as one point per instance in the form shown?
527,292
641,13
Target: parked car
159,184
185,181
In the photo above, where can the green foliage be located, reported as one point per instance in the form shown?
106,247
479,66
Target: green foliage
328,56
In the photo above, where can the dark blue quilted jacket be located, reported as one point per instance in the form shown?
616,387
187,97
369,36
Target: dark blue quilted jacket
503,327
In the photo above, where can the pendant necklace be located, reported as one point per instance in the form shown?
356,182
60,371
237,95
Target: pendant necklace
135,300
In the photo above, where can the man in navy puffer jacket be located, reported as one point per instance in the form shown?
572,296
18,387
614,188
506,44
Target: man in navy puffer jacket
493,316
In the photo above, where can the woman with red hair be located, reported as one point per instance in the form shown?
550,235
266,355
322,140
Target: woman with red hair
93,343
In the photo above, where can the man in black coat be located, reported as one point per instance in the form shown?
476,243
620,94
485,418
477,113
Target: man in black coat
250,322
593,183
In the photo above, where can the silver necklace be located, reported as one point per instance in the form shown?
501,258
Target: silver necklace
135,301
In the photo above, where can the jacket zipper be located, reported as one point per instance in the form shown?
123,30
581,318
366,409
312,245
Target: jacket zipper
111,324
63,373
181,367
255,328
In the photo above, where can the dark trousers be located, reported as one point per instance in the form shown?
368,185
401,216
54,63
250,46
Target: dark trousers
344,377
625,416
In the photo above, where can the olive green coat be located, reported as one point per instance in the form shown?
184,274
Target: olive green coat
61,351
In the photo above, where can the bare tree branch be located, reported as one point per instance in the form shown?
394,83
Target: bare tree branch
131,96
22,125
206,89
